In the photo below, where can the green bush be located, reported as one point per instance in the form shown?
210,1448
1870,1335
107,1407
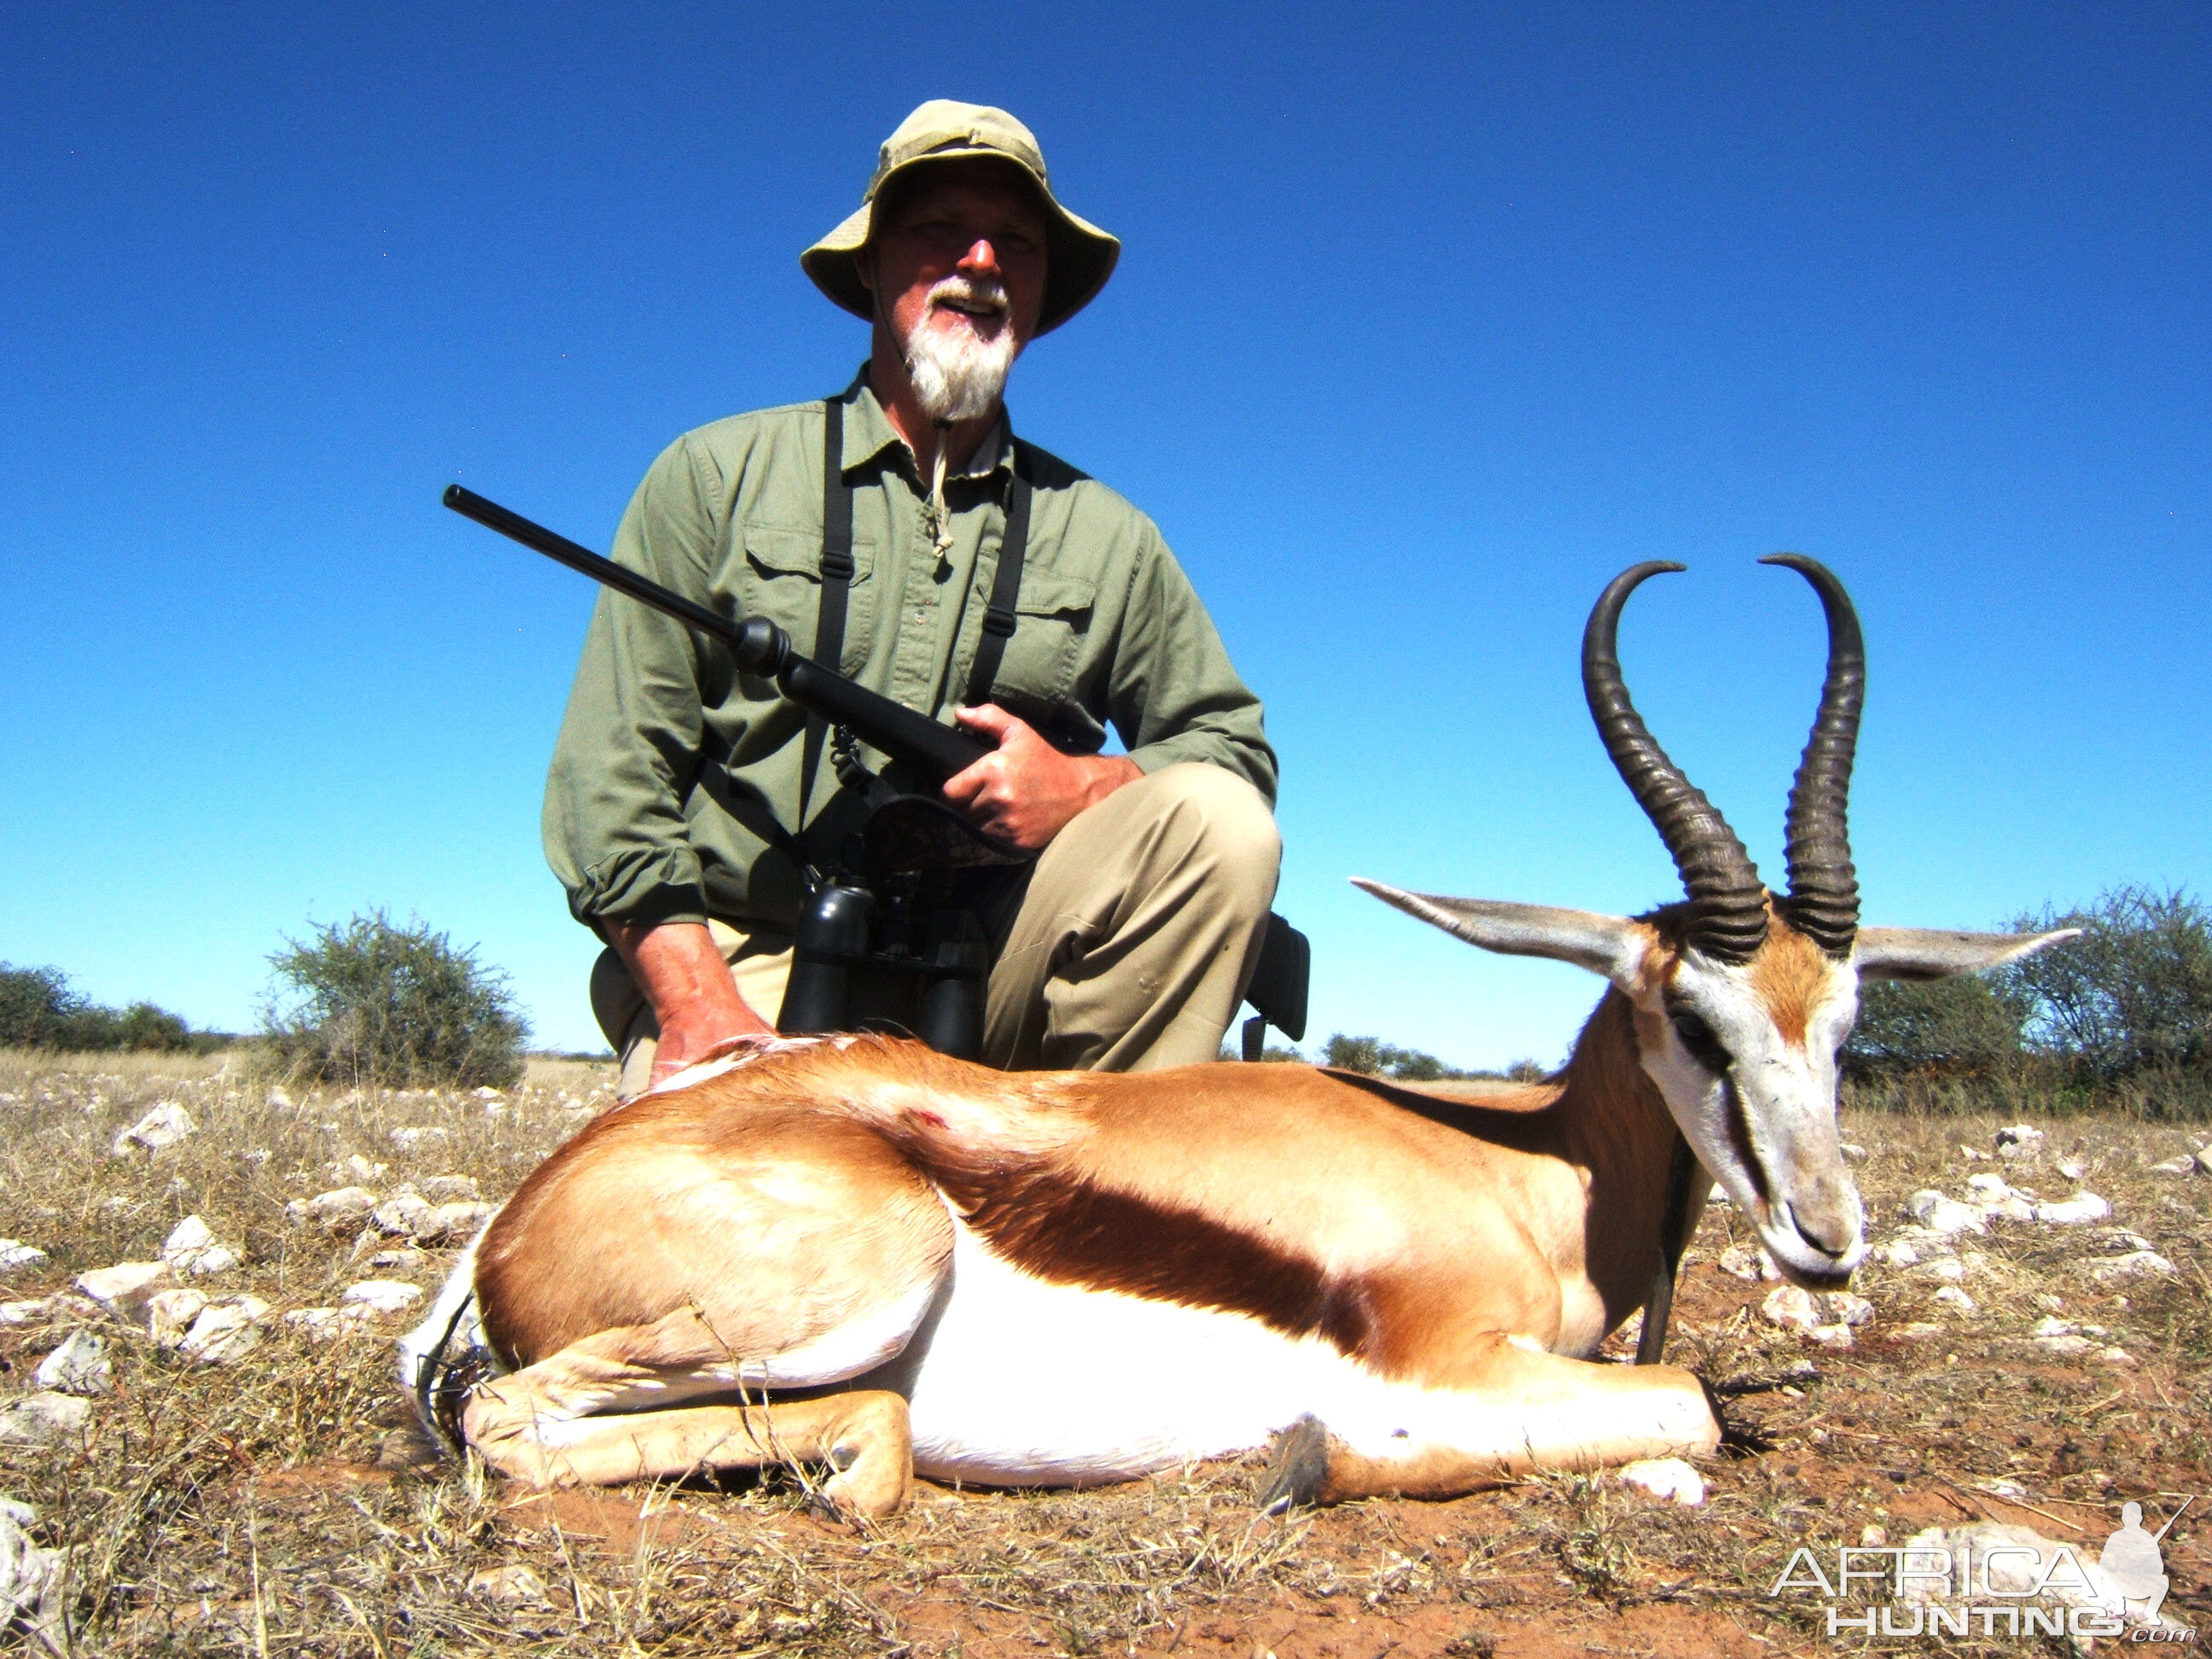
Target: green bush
38,1009
1376,1058
1966,1027
371,1004
2133,994
2120,1020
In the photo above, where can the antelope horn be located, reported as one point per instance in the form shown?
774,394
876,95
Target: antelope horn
1824,889
1727,902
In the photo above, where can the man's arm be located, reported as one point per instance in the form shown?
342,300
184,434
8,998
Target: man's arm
683,976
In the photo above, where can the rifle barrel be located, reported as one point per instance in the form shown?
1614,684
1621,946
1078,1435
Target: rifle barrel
760,648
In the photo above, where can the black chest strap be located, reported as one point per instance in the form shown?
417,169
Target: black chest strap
1006,587
836,585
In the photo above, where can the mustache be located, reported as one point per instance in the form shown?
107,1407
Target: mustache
983,296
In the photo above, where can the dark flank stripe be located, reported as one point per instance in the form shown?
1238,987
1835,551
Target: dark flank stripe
1073,1232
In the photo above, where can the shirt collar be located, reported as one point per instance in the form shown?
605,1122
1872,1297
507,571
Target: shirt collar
869,432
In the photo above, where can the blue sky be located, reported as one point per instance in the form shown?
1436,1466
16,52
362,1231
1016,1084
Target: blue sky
1429,320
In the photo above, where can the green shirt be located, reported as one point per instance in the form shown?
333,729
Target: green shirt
672,769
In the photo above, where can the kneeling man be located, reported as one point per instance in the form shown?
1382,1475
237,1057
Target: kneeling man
685,799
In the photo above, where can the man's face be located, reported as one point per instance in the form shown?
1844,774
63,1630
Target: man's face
961,254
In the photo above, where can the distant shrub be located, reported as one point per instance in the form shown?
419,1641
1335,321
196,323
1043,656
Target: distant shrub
1966,1027
38,1010
1376,1058
369,1003
2120,1020
2133,994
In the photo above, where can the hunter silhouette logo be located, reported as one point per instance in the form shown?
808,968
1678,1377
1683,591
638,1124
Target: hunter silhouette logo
2134,1560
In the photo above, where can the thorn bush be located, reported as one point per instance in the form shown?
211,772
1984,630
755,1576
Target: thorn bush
371,1004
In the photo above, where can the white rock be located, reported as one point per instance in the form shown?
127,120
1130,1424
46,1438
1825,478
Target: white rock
1952,1296
30,1312
2115,1356
1948,1268
278,1099
225,1330
449,1189
192,1249
1792,1308
2072,1168
402,1215
31,1577
2072,1212
2184,1164
2125,1269
415,1136
2050,1325
1972,1153
80,1365
1987,1188
159,1129
488,1094
123,1290
169,1315
38,1419
453,1222
2019,1142
2203,1161
1918,1331
1740,1261
1831,1336
2062,1346
328,1324
403,1258
361,1169
2044,1301
1855,1154
384,1295
1845,1307
344,1209
1896,1254
1669,1478
1940,1214
16,1256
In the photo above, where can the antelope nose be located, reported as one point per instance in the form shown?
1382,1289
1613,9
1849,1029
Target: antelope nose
1826,1228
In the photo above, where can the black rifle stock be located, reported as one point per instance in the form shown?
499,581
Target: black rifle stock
760,647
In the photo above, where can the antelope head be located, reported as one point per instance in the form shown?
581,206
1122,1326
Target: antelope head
1741,1000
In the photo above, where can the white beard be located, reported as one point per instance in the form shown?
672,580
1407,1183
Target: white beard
957,375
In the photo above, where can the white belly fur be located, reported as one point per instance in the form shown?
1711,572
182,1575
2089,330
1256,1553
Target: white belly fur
1028,1382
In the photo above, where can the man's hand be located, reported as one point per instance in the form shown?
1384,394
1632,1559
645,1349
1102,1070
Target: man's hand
1025,791
683,976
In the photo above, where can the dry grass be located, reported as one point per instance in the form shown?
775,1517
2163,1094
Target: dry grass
241,1508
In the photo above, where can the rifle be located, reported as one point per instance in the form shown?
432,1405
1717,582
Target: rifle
840,924
760,646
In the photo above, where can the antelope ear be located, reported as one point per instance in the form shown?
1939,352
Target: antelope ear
1922,953
1610,945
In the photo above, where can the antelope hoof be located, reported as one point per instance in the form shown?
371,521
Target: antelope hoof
1298,1469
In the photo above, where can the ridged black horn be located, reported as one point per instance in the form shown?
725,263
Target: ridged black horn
1727,902
1824,889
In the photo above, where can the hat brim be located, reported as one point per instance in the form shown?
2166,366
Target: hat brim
1078,256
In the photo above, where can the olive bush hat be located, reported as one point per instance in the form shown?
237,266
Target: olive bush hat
1078,258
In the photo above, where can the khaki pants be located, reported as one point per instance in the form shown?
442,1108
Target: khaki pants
1127,950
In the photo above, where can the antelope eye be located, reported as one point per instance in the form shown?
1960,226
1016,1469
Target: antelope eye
1698,1037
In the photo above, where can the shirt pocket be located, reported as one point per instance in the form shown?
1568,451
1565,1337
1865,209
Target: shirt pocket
1052,616
781,580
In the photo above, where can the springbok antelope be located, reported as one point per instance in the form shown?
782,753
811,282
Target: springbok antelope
852,1251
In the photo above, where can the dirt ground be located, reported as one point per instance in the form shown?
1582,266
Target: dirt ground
265,1506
